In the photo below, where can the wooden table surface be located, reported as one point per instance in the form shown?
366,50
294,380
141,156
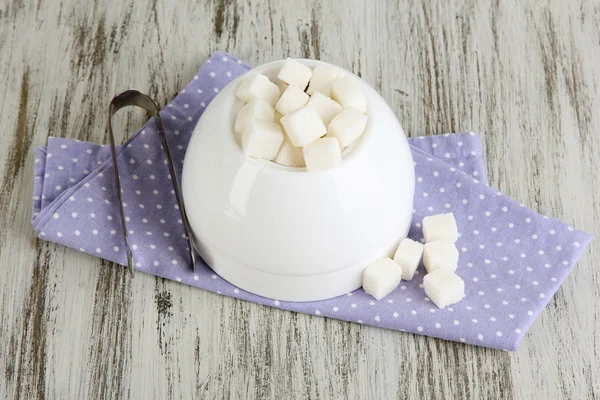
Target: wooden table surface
524,74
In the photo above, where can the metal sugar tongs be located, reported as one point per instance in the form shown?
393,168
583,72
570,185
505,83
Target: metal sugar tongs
136,98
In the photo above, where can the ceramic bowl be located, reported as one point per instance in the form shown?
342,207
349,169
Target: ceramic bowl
286,233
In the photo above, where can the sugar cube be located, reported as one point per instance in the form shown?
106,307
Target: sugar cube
408,256
257,86
295,73
322,78
440,227
444,287
381,278
303,126
322,154
325,107
261,139
440,254
348,92
281,85
347,126
256,109
292,99
290,155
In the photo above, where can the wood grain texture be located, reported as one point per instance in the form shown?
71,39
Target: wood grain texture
525,74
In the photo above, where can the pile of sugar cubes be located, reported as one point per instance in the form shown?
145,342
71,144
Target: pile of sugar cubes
306,119
440,258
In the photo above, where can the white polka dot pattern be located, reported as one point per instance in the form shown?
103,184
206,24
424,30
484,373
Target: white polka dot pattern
512,259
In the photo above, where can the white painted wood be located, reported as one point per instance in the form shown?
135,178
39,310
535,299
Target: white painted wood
524,74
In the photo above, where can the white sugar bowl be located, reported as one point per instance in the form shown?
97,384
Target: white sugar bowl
286,233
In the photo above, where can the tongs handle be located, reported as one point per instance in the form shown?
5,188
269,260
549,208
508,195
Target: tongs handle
134,97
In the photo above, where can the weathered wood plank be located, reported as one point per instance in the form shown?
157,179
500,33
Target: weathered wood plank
524,74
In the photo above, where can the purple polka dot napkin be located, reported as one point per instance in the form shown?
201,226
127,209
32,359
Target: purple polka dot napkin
511,258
